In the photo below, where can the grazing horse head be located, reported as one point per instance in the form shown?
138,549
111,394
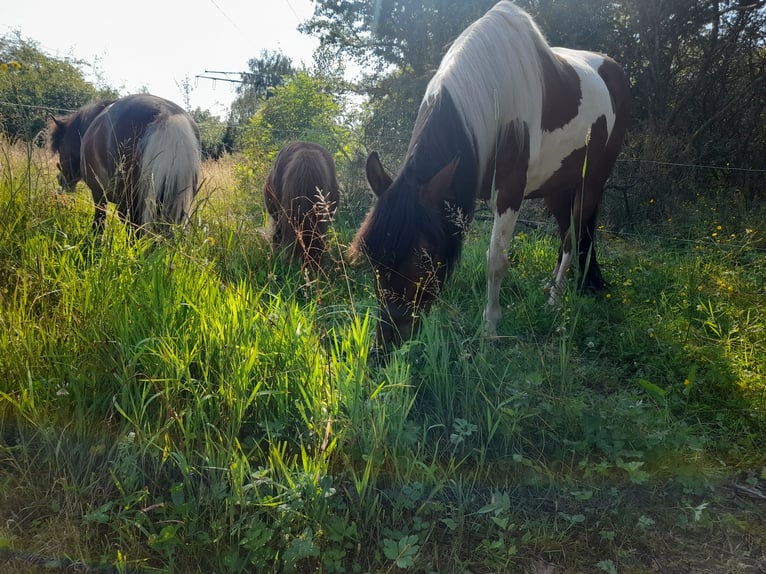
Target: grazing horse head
301,195
412,239
505,118
65,138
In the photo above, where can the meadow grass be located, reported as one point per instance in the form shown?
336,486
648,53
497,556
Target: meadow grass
196,405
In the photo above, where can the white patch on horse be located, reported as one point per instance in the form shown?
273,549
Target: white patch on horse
491,92
497,265
555,146
559,278
169,155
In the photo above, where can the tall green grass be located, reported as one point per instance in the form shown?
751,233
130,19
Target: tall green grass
195,405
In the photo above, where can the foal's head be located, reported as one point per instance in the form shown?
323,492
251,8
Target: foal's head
65,137
406,239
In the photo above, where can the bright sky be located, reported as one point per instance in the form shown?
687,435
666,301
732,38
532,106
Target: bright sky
158,43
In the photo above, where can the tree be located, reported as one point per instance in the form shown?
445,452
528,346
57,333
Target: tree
585,24
212,131
400,33
399,43
34,85
269,70
304,108
709,91
389,114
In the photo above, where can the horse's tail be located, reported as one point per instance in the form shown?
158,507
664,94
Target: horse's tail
170,169
309,198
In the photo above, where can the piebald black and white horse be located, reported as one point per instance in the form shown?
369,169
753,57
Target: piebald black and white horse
141,152
505,118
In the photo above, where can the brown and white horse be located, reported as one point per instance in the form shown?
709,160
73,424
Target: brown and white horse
141,152
505,118
301,195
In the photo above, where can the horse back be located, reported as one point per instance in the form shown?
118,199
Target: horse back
133,136
111,149
301,172
584,112
301,195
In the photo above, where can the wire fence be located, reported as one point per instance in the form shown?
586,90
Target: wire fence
641,190
533,216
403,141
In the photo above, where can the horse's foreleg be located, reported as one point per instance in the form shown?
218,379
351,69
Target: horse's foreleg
99,216
592,279
497,266
558,284
566,214
99,219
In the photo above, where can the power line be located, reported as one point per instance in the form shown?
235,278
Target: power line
46,108
217,79
692,165
293,11
34,107
225,15
225,73
222,73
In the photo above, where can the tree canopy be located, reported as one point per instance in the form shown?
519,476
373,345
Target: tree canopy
34,85
404,34
304,108
265,72
697,69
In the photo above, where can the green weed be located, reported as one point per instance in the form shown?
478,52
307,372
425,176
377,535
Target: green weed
194,404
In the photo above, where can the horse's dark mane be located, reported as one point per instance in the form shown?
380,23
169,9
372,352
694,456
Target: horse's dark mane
79,120
391,231
393,228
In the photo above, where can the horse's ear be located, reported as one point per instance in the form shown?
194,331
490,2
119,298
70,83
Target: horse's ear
57,121
434,192
379,179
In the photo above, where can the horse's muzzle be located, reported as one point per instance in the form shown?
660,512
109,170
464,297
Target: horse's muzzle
64,184
395,325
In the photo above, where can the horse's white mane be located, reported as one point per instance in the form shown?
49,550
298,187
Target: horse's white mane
494,74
